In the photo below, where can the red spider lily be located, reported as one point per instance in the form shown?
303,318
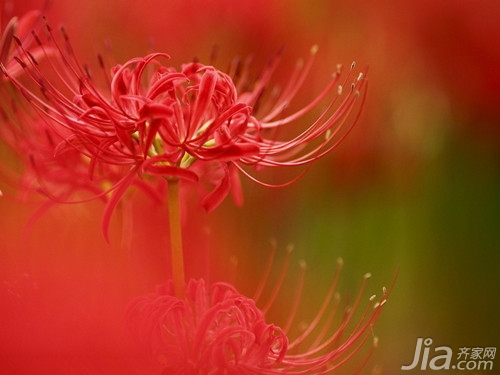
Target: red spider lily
217,330
55,175
22,27
13,133
150,121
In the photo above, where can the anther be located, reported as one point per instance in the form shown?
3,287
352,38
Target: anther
233,260
35,36
17,40
367,275
20,62
101,61
87,71
336,297
64,34
49,29
32,58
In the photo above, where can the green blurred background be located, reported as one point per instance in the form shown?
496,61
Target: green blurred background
415,186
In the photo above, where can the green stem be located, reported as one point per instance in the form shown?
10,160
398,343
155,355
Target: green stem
177,255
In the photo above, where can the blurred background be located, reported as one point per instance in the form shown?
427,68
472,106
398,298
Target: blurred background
415,186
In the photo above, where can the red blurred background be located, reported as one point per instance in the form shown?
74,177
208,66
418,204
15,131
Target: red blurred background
415,185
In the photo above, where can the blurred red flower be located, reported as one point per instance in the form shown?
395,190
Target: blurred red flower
22,26
215,329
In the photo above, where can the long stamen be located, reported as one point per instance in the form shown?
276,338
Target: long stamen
297,298
265,275
279,283
177,256
322,309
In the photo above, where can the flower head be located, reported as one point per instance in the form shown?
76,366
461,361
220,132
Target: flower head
217,330
213,330
150,122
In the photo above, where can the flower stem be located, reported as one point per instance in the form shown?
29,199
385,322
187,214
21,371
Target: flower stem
177,256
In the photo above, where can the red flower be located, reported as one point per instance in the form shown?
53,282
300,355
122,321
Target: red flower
150,122
57,174
217,330
211,331
22,27
13,132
